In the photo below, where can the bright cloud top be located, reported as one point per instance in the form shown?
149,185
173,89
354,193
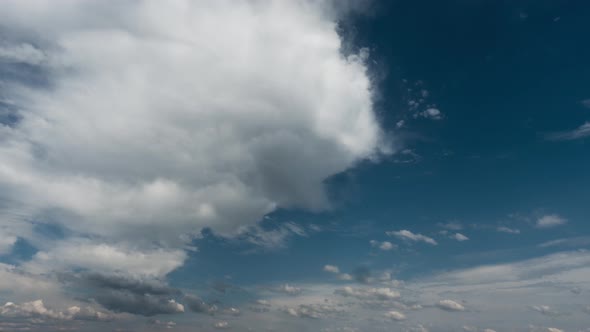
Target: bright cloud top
170,117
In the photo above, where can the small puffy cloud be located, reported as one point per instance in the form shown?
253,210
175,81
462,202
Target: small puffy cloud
570,135
195,304
221,325
450,305
409,236
554,329
331,269
504,229
460,237
287,289
382,294
550,220
395,315
545,310
345,277
431,113
385,245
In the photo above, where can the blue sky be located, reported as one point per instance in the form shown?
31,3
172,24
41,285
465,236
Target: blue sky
294,166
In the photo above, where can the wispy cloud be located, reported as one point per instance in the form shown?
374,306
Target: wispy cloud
414,237
550,220
569,135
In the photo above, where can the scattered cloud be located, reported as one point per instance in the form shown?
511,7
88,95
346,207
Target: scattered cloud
550,220
545,310
409,236
331,269
504,229
221,325
460,237
578,133
395,315
450,305
384,246
368,293
431,113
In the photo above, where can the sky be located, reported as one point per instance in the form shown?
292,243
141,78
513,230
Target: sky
305,165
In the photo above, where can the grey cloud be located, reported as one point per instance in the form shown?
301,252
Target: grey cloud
196,304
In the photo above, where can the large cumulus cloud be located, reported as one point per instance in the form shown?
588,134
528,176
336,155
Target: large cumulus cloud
162,118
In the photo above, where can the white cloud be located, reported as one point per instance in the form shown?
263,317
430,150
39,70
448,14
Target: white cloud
431,113
460,237
331,269
101,257
407,235
450,305
580,132
395,315
37,309
385,245
168,130
221,325
345,277
288,289
6,243
381,294
504,229
545,310
550,220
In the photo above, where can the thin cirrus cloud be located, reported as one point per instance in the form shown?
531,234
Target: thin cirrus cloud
570,135
413,237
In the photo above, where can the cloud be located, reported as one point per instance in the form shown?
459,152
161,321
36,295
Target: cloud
331,269
431,113
395,315
550,220
382,294
460,237
6,243
573,242
407,235
37,309
545,310
22,53
221,325
195,304
578,133
384,246
123,293
313,310
108,258
504,229
167,131
287,289
450,305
